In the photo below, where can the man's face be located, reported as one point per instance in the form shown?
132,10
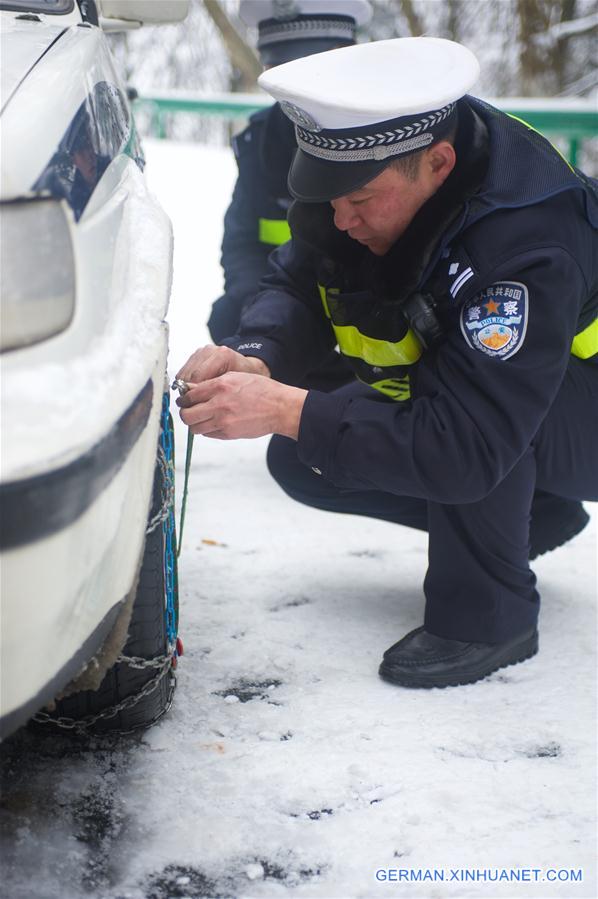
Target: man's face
377,215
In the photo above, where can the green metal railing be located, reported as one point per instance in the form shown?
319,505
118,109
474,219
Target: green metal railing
573,120
228,106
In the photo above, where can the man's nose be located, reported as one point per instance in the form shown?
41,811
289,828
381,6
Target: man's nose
345,214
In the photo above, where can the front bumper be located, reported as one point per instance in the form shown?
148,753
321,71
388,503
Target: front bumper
71,556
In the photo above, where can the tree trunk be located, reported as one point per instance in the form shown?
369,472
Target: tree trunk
532,57
416,26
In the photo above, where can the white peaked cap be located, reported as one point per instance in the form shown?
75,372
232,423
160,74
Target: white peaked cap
291,29
375,82
255,11
356,108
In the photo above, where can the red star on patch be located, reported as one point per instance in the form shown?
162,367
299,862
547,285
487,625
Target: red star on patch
491,306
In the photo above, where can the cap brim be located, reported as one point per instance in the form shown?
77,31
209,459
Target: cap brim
313,180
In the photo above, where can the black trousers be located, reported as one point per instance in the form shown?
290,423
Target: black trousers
479,585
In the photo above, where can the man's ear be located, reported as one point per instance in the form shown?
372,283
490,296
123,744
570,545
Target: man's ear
441,159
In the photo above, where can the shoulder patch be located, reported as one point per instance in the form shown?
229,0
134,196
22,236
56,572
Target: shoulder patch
495,321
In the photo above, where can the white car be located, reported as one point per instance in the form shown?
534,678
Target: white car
88,549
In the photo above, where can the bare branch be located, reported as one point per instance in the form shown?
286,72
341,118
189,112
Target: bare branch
572,28
242,57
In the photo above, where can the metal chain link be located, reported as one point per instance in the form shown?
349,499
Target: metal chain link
82,725
139,663
167,491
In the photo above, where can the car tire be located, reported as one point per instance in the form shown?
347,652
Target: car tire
152,630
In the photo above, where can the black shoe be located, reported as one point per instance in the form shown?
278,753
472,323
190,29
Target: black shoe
554,521
423,660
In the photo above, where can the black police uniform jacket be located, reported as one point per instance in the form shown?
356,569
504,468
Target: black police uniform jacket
256,219
508,251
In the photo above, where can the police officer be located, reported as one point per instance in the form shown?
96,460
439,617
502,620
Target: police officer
256,220
452,254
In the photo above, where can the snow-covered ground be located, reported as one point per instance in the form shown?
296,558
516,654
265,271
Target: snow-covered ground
286,767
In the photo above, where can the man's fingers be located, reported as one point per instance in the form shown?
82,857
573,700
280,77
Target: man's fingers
207,363
191,370
199,418
242,404
197,412
195,406
183,387
217,435
198,393
183,401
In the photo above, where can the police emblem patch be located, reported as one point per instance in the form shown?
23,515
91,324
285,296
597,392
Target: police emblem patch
495,321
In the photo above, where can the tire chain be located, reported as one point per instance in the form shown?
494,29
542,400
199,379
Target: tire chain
83,725
163,663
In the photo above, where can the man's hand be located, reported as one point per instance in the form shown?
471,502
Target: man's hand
238,404
213,361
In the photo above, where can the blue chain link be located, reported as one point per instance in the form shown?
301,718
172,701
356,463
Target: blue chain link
168,525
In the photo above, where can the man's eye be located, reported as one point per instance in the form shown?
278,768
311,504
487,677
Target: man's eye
360,202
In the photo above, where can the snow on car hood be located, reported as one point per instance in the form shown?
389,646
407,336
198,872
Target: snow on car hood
23,43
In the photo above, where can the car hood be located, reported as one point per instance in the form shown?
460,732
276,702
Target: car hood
43,104
22,44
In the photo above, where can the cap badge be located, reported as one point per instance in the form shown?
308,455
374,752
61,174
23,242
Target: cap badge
299,116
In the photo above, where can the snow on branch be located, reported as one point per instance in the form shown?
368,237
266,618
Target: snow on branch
564,30
583,85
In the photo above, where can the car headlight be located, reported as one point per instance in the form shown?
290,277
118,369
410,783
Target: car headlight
38,272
